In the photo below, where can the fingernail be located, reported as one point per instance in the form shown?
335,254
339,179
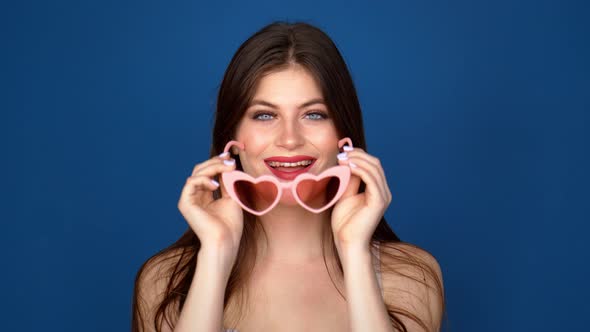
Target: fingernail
342,156
348,148
224,154
229,162
215,183
352,165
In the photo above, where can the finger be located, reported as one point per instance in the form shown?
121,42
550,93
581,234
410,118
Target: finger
208,162
360,153
195,197
373,170
215,167
223,166
366,171
195,187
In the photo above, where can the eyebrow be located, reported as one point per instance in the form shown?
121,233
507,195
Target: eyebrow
306,104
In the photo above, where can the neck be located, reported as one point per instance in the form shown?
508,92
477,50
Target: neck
294,236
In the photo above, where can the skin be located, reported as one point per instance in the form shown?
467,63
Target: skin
294,250
294,233
290,130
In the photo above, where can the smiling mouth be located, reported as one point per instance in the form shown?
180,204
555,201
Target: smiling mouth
290,166
288,172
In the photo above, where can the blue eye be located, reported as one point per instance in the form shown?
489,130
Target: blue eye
259,116
266,116
317,115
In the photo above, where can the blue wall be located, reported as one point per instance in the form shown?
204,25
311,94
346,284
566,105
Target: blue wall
477,109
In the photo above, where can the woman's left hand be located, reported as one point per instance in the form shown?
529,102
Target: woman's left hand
356,215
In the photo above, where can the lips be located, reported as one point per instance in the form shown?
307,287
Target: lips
291,174
292,159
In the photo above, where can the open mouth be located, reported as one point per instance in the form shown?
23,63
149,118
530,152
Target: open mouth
288,171
290,167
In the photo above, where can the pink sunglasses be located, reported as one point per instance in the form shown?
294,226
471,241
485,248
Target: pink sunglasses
315,193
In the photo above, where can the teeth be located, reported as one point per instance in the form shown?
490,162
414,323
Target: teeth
299,163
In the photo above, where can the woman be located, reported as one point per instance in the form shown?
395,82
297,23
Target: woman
287,92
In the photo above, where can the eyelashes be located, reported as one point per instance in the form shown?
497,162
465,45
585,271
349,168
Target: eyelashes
266,115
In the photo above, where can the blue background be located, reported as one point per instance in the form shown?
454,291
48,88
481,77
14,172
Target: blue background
477,109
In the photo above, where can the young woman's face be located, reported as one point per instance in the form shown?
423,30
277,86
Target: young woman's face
287,117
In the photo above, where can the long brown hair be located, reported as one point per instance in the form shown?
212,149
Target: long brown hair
274,47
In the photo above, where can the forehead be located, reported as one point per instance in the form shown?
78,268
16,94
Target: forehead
290,85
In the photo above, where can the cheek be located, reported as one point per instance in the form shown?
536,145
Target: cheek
254,145
331,158
245,134
326,140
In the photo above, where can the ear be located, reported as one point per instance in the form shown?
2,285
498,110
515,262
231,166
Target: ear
235,150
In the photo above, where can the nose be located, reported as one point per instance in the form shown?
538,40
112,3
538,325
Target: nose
290,136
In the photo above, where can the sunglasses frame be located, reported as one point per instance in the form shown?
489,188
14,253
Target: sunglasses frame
341,172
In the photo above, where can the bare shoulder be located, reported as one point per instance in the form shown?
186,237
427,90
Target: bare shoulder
151,284
412,281
398,253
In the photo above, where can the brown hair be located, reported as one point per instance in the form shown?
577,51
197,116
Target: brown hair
274,47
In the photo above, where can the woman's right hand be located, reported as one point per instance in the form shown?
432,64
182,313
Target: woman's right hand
217,223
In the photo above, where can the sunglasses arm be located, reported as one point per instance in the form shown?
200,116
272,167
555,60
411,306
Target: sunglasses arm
343,141
229,144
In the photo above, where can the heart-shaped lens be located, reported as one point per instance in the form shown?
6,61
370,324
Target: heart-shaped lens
317,194
256,196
